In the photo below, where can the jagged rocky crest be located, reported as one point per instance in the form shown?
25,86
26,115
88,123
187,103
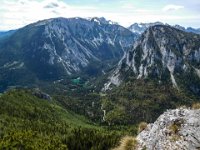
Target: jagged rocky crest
165,54
174,129
139,28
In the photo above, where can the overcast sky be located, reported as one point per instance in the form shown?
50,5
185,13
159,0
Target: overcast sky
18,13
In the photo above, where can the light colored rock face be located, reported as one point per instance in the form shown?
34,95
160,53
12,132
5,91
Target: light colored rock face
13,65
177,129
76,42
163,53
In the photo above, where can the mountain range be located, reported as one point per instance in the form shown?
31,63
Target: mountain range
55,54
139,28
82,83
53,48
56,49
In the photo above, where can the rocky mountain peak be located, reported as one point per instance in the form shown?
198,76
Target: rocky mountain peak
139,28
163,53
179,27
102,20
66,46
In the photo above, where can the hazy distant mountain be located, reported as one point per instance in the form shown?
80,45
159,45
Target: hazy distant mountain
4,34
141,27
189,29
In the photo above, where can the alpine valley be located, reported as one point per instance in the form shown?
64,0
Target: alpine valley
84,83
51,49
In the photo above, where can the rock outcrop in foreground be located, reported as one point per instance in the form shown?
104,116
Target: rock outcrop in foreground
173,130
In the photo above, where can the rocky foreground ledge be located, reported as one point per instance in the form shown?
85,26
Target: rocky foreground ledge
177,129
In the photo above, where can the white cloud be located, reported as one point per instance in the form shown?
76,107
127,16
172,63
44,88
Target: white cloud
18,13
172,7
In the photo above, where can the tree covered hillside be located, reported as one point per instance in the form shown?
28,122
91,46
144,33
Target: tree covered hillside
29,122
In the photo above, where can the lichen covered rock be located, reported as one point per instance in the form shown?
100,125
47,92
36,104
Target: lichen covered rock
175,129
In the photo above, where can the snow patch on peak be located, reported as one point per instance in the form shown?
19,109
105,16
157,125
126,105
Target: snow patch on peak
43,22
101,20
95,20
112,22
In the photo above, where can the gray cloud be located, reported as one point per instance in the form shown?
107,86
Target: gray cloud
55,12
51,5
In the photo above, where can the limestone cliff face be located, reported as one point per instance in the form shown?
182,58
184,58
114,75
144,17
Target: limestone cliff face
173,130
162,53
